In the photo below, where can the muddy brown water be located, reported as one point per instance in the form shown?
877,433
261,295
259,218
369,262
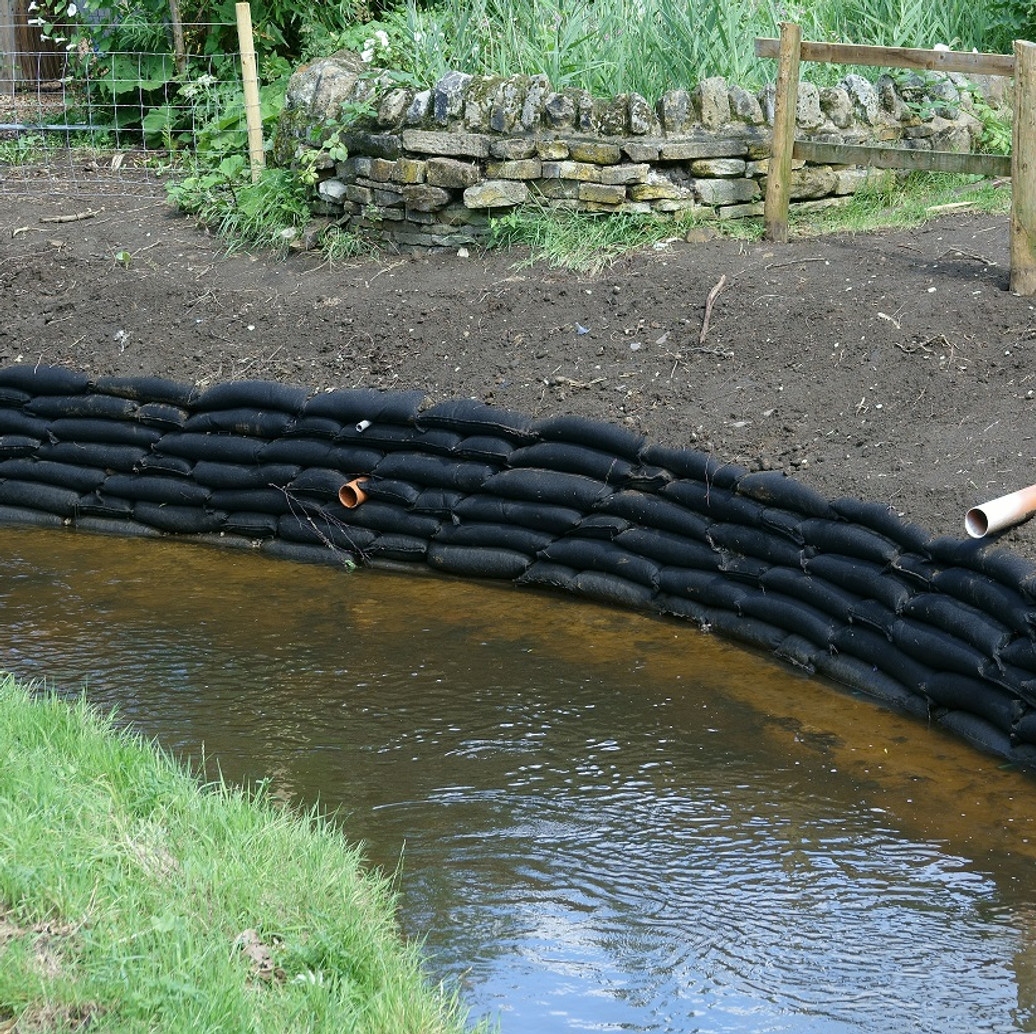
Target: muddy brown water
598,820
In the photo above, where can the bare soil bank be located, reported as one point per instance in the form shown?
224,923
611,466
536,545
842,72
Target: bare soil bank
892,367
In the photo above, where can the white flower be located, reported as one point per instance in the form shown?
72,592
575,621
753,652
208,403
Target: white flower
382,37
72,10
33,7
367,56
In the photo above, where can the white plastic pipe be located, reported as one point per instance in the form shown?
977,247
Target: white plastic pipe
1000,513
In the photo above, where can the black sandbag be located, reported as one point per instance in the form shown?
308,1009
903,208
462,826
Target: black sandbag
713,590
862,577
874,614
387,517
13,398
154,488
668,549
34,495
833,601
300,452
434,471
743,568
1017,681
318,483
690,463
162,416
606,587
685,610
747,630
548,575
1024,728
64,475
159,463
595,555
97,429
860,675
439,441
314,527
485,448
915,570
53,407
384,437
975,627
123,528
575,459
849,540
305,553
1019,651
791,614
251,394
217,448
314,427
178,520
937,649
351,405
30,517
548,486
964,693
784,523
15,421
987,595
477,561
652,511
44,380
498,510
258,500
987,556
506,536
250,524
351,459
97,504
439,502
408,549
15,445
977,731
604,526
471,417
258,423
754,542
875,649
244,475
389,490
775,488
880,518
645,478
718,503
580,430
148,389
799,652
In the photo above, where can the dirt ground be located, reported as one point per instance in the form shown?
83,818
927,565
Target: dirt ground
894,367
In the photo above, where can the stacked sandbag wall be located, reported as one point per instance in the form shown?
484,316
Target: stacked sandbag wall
940,628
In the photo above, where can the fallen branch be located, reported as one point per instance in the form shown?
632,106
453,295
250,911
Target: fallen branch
77,217
709,302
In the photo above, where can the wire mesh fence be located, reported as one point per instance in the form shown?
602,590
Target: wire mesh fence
75,118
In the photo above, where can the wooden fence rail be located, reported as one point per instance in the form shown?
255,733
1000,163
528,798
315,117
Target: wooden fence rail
790,50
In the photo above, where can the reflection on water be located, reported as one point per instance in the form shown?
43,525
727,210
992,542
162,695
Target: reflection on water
606,822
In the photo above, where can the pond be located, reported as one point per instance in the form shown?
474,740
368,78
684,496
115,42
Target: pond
598,820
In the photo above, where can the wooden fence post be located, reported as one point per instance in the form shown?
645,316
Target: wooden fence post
1023,171
8,48
778,177
250,81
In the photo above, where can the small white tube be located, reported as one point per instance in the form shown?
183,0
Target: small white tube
1000,513
362,426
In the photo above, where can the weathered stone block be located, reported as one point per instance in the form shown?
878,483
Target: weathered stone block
552,150
726,192
863,97
526,169
657,188
448,96
642,118
601,194
496,194
743,211
807,108
332,190
387,198
641,150
458,215
745,106
394,106
507,104
532,107
718,167
570,170
478,101
811,182
682,206
594,151
377,145
614,119
624,173
513,148
676,111
559,111
381,170
422,197
320,87
703,145
419,108
360,195
408,170
557,189
424,141
713,101
835,104
448,172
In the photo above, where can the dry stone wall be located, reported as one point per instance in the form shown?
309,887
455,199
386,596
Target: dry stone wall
427,168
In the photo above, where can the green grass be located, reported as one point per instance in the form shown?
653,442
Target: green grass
135,898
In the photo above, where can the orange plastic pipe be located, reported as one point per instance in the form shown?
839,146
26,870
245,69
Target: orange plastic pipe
351,494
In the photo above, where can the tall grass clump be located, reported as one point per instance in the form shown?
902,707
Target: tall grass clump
132,898
651,46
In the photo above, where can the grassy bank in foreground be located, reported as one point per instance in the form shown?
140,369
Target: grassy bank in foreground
135,897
